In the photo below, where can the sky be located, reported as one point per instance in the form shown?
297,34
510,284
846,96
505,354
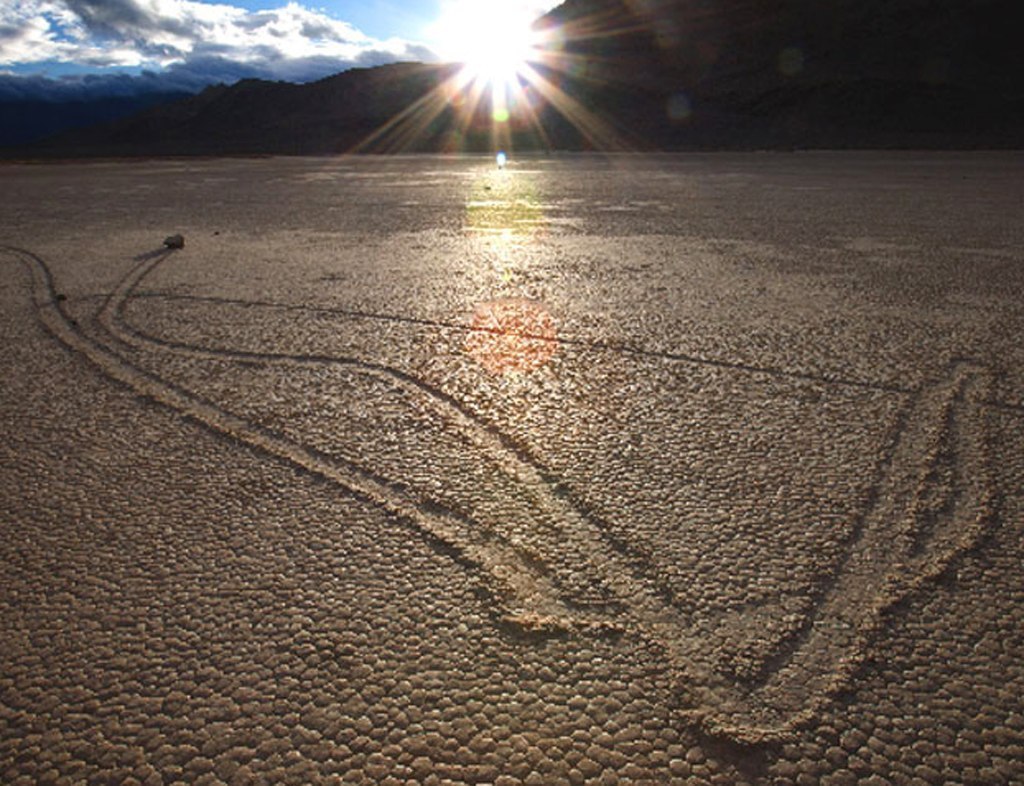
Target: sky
78,48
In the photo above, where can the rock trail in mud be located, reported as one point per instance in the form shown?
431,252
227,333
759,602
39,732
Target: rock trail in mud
932,504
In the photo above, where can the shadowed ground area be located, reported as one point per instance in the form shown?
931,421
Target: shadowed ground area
642,469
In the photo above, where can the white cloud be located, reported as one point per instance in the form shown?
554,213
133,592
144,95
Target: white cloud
291,41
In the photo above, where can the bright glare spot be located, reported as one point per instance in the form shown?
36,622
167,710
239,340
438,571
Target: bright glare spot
502,160
493,40
512,336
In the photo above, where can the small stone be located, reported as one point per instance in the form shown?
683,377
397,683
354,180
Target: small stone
679,768
874,780
853,740
175,241
841,777
927,774
589,767
786,769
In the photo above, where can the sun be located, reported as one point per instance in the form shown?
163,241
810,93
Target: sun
509,59
494,41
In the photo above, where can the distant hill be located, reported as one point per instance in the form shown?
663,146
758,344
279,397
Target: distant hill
256,116
26,120
658,74
862,73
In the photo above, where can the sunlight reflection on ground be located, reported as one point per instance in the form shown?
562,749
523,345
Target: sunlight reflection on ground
512,335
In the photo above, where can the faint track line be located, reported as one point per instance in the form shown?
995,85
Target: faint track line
596,345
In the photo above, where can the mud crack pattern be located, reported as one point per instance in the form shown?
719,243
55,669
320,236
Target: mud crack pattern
919,523
749,514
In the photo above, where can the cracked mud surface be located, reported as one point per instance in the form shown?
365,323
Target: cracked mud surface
693,469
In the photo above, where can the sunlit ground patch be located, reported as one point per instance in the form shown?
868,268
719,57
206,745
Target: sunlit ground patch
512,335
505,215
501,203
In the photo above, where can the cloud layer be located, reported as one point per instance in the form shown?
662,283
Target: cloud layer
180,44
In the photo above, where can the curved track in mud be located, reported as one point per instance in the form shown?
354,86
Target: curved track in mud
933,501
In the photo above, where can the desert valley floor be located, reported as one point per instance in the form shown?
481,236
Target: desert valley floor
641,469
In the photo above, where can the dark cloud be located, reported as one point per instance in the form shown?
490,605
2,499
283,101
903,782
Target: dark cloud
256,21
125,18
10,32
314,30
376,57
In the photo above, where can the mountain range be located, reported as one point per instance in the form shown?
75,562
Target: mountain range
640,74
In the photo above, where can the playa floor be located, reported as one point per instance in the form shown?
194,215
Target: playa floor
644,469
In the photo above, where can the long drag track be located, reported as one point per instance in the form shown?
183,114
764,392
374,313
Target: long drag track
921,521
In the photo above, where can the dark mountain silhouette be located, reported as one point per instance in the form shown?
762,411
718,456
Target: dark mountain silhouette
256,116
26,120
646,74
803,72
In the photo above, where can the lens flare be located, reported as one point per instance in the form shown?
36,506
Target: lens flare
509,72
514,335
494,42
